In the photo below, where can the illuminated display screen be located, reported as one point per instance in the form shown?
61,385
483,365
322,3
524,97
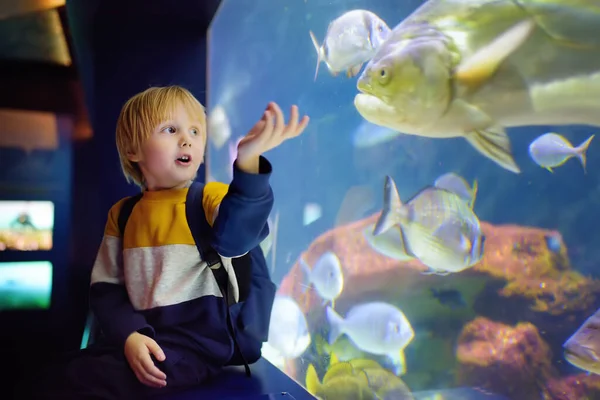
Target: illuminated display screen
25,285
26,225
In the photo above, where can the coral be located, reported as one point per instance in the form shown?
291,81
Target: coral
503,359
515,256
520,256
519,279
569,291
574,387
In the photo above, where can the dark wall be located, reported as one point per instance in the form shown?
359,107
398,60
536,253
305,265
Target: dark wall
121,48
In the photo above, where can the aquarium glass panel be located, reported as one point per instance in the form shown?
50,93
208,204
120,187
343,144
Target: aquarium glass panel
435,228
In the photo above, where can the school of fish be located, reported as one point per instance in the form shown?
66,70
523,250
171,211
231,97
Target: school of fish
452,68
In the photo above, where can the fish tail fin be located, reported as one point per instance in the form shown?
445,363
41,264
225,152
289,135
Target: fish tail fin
390,214
313,384
333,359
335,325
474,194
399,362
495,145
582,151
319,52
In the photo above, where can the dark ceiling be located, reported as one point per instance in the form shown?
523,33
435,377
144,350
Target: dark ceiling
38,67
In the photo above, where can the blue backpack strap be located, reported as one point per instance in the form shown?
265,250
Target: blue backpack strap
201,231
198,224
126,210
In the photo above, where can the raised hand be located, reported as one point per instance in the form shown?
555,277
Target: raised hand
267,134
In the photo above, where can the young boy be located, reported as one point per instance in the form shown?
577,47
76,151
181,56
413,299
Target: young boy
155,300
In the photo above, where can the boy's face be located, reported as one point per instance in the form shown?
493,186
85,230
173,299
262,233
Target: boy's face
170,157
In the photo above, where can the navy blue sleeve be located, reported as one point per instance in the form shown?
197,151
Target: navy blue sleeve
241,223
116,316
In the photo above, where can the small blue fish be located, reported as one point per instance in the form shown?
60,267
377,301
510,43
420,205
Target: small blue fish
553,150
553,242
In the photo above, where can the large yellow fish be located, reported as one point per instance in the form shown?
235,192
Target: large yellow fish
356,379
471,68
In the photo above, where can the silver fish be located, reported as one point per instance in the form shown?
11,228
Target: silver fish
582,349
553,150
326,276
376,328
439,227
288,330
389,243
351,40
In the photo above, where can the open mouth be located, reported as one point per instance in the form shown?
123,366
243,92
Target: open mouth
363,86
184,159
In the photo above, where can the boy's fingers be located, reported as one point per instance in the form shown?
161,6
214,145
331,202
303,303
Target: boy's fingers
149,380
293,122
155,349
146,378
302,126
279,120
268,129
151,369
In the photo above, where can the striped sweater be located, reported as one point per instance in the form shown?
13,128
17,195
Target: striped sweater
153,281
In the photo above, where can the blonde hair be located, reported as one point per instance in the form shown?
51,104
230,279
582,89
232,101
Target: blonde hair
140,116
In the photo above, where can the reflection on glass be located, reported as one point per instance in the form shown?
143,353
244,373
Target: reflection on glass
421,247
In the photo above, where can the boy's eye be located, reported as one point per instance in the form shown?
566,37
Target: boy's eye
169,129
195,131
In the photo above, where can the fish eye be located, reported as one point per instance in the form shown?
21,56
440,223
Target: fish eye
380,28
384,75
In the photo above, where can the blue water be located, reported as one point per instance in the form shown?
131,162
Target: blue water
260,51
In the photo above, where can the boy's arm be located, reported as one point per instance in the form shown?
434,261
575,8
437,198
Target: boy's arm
109,299
238,213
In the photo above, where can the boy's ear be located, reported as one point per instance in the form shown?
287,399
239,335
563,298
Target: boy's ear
133,156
